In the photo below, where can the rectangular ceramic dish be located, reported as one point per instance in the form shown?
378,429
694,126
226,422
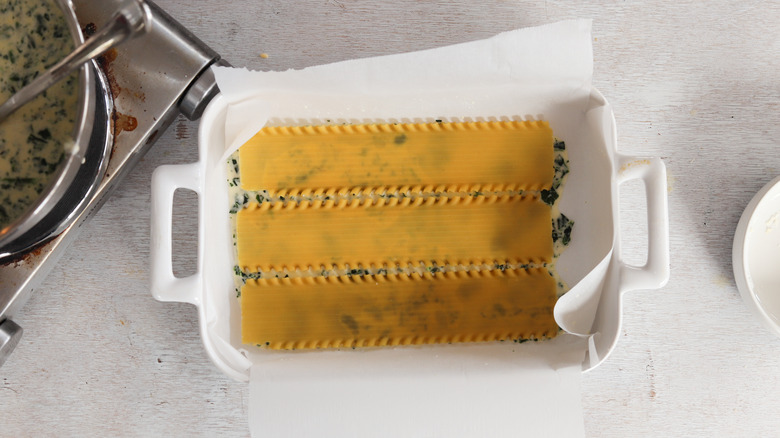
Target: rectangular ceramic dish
591,265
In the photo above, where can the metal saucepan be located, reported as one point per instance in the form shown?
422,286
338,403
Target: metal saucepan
171,66
23,232
78,175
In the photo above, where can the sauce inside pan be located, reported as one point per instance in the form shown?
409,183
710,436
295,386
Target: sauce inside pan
34,140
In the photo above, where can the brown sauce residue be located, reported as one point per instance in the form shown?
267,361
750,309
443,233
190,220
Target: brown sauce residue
119,122
105,62
108,57
123,122
29,257
89,30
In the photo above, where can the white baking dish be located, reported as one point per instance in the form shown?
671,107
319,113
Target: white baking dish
592,263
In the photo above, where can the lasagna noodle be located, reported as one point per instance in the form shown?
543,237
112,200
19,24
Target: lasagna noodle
283,158
292,237
349,208
398,310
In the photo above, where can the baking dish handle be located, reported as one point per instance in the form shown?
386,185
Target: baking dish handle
655,272
165,285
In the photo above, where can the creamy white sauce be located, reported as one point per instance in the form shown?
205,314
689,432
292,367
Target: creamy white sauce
33,141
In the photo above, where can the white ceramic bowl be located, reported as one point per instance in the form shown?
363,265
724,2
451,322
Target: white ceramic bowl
756,255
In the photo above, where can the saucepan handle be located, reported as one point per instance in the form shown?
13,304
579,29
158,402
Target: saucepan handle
655,272
165,285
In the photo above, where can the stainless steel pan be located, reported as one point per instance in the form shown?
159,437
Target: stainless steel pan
170,65
79,173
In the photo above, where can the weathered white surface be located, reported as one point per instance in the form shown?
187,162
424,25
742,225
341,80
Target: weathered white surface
697,83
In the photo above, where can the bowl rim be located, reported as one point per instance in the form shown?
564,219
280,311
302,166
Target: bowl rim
740,262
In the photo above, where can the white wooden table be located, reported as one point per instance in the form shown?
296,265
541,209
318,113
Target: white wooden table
697,83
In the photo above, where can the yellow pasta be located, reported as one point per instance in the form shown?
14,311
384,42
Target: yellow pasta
279,158
276,237
396,234
398,310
